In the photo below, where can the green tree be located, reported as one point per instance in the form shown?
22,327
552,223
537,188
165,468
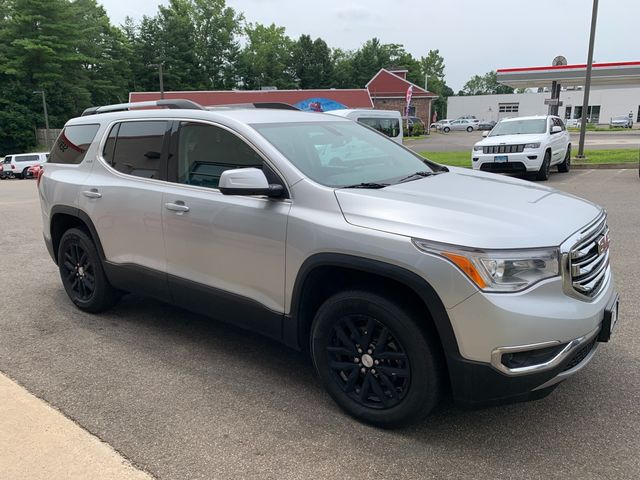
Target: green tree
486,84
266,60
433,67
312,63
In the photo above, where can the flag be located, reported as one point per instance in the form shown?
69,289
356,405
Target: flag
408,97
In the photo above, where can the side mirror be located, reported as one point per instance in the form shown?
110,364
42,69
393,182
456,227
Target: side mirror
486,133
556,129
247,181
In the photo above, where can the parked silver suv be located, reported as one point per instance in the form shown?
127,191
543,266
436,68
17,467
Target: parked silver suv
404,278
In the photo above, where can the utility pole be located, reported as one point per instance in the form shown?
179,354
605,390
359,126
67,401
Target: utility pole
46,117
587,83
160,67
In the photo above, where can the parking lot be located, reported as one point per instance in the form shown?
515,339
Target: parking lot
182,396
457,141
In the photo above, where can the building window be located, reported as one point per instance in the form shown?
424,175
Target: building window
567,113
508,107
412,111
593,113
638,119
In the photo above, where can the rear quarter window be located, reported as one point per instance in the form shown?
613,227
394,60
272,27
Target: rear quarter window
26,158
73,143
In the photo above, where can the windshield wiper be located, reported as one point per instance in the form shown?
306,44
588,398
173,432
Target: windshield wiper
417,175
371,185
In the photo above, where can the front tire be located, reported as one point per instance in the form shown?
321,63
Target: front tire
374,359
543,173
82,274
446,129
565,166
469,129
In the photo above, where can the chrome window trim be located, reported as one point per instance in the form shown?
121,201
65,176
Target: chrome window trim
568,349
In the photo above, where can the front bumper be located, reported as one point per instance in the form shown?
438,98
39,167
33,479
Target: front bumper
489,328
527,161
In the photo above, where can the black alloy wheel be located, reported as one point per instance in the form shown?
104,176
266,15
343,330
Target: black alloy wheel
368,362
378,357
565,166
78,272
543,173
82,274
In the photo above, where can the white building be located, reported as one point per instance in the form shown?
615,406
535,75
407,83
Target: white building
604,103
615,91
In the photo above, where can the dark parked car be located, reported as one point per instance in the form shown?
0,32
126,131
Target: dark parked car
486,125
413,126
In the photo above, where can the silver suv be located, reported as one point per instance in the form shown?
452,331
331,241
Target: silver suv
405,279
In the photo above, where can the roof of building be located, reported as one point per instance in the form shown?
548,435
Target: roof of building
613,73
386,84
352,98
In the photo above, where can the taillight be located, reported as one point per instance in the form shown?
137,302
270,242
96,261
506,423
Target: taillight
13,167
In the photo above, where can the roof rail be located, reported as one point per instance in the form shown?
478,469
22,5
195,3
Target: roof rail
272,105
174,103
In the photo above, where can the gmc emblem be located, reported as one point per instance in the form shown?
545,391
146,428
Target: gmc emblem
603,243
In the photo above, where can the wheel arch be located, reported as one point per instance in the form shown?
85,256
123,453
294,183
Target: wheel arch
64,217
312,287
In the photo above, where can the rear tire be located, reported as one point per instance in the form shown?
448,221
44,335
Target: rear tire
469,129
543,173
375,360
565,166
446,129
82,274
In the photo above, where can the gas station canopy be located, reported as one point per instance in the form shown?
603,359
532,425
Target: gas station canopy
618,73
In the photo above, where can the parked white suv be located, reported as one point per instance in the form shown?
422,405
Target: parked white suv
524,145
17,165
405,279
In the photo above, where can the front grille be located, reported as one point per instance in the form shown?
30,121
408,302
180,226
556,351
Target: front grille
589,261
503,149
580,355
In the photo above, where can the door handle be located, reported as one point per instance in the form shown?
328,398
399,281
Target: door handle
93,193
179,207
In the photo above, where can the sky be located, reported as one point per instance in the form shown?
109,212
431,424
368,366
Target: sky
473,36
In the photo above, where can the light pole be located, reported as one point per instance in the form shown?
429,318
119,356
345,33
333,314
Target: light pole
587,82
46,117
160,66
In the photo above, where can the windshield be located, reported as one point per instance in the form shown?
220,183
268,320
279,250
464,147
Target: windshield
520,127
338,154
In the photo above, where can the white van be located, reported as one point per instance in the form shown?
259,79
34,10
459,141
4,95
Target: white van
18,165
388,122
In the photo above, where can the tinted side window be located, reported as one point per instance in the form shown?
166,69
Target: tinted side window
7,160
27,158
205,151
110,144
138,148
389,126
72,144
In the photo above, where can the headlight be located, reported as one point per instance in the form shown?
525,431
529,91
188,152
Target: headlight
477,148
498,270
532,145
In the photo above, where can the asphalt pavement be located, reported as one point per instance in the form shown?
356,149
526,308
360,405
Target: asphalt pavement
184,397
458,141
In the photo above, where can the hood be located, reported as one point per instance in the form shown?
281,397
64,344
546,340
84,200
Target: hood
510,139
469,208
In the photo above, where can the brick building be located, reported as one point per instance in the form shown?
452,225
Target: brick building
388,89
385,91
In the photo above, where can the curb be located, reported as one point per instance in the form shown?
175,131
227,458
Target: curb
604,166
